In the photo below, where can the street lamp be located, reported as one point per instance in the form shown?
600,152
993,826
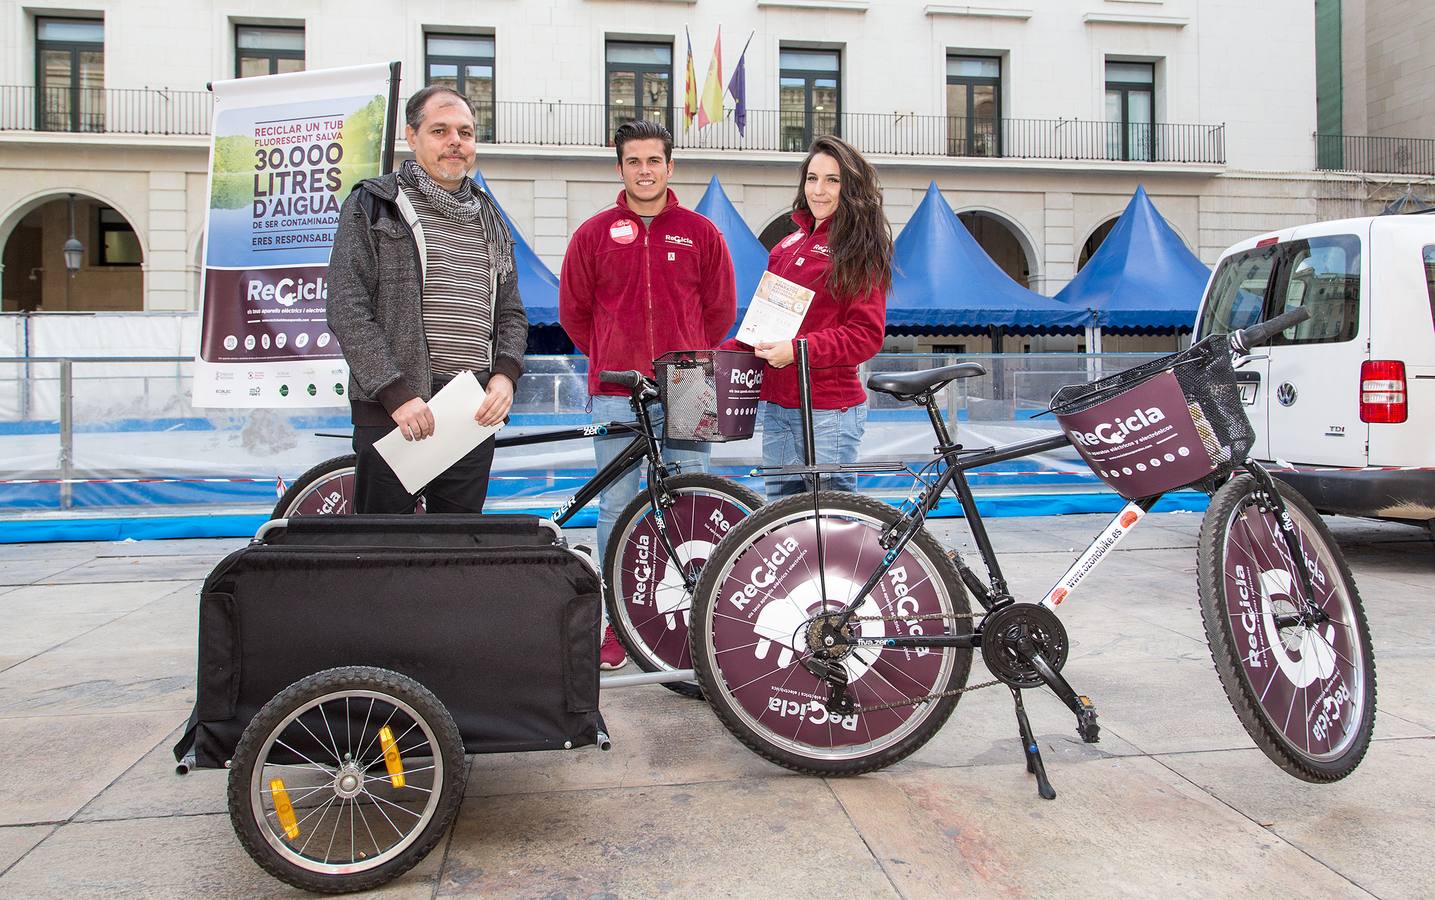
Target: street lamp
74,250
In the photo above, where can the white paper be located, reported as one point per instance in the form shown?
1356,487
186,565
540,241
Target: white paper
776,311
455,433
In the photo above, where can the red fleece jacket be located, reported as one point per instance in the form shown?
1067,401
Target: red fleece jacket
628,294
841,334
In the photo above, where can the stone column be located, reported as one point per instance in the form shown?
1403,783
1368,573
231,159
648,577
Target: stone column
1059,238
167,275
550,221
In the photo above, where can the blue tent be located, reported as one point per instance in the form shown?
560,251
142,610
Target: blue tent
945,282
537,284
749,257
1142,278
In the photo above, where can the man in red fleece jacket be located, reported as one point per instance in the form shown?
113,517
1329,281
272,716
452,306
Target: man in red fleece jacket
642,278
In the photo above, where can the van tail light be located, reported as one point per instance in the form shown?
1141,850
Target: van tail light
1382,391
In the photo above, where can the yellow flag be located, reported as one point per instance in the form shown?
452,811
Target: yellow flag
711,108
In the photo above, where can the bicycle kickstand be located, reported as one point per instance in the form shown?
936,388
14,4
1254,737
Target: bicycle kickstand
1029,747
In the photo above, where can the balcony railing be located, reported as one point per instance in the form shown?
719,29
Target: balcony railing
588,124
1383,155
152,111
105,110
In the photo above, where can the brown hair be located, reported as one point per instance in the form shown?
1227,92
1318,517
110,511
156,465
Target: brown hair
861,236
642,130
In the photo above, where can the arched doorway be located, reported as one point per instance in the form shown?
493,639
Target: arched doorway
777,229
1093,243
110,276
1001,241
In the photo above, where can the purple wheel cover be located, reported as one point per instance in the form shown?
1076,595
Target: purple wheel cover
1307,680
773,589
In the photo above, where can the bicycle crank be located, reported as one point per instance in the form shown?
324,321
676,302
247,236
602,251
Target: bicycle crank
1013,634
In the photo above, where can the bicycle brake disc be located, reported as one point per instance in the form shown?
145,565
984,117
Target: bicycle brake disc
1009,630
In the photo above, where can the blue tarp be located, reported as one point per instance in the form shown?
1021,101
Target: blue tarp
1142,278
537,284
946,283
749,257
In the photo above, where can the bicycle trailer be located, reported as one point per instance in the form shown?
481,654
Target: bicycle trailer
494,615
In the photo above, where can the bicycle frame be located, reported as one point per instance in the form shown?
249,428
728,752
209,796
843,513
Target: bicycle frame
959,461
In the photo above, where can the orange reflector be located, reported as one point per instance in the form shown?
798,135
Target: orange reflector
392,761
284,809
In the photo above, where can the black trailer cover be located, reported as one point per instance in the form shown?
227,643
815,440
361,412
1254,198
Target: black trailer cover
491,613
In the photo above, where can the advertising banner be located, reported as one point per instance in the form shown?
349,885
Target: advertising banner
287,149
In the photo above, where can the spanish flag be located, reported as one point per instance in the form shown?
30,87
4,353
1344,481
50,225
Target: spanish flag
711,109
690,95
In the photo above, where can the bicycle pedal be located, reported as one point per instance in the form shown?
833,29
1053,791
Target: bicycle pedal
1086,726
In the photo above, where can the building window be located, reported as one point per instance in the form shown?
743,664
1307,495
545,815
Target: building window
638,83
464,62
974,91
118,244
1130,108
267,50
70,74
809,96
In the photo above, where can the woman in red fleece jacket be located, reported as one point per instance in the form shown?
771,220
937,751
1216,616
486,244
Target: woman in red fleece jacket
842,251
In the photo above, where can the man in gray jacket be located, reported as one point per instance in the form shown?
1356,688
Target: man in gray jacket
422,287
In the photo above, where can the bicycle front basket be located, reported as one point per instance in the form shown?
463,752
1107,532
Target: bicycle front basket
708,395
1170,423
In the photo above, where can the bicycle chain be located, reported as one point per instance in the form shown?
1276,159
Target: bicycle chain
913,701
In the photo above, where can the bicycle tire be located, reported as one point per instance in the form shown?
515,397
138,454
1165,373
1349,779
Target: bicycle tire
1243,562
276,772
324,490
763,574
648,606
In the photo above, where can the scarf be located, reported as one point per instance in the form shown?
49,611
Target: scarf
465,206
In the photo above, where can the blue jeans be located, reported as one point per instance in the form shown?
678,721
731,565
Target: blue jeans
838,438
606,448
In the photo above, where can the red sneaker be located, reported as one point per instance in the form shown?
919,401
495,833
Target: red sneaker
612,655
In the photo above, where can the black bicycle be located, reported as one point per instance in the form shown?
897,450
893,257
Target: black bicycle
659,543
833,634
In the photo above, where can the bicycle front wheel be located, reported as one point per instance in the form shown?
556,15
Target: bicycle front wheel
1305,693
753,615
648,601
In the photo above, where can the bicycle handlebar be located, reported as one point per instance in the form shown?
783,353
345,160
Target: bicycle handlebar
1261,332
629,379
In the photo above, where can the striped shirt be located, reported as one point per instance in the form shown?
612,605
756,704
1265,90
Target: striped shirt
457,314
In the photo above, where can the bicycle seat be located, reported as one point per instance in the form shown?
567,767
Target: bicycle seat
910,384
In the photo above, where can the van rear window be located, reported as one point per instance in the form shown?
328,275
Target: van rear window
1323,276
1430,280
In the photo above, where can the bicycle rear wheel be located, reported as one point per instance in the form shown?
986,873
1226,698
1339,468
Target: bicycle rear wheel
648,603
325,490
752,611
1305,693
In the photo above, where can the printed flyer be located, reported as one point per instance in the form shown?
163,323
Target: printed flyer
776,311
287,150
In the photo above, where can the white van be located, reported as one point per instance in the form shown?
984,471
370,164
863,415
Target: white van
1344,403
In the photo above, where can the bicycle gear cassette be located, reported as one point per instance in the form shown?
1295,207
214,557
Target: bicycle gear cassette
1007,631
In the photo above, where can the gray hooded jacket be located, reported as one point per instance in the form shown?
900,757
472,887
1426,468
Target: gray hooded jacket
375,306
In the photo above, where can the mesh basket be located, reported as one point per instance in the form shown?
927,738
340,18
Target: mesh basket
1170,423
708,395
